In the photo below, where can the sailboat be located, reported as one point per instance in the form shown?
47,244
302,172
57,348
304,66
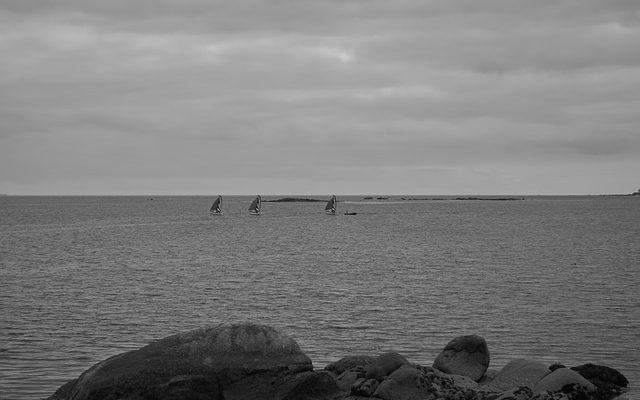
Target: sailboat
215,207
254,208
331,206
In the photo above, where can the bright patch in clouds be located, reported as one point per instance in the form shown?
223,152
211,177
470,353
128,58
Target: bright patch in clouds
333,53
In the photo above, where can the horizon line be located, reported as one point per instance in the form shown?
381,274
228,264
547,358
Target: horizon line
298,195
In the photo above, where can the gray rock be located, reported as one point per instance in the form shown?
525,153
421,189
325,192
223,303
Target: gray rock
559,378
464,355
518,373
518,393
455,381
347,379
347,363
210,363
602,376
404,383
385,364
610,382
364,387
488,376
416,382
309,386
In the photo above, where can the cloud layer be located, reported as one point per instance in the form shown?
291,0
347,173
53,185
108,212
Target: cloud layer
243,97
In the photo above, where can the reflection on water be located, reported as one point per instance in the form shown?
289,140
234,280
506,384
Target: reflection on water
84,278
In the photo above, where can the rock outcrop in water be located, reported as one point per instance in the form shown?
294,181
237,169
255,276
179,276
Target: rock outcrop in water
464,355
256,362
221,362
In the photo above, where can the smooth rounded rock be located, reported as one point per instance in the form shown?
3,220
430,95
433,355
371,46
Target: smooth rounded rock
559,378
601,375
385,364
202,363
404,383
518,373
465,355
309,386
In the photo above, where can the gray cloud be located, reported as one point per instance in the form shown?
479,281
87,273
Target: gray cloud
404,95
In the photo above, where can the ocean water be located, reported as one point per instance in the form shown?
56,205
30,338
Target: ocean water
555,279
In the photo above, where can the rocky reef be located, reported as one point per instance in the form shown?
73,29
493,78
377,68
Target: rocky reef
257,362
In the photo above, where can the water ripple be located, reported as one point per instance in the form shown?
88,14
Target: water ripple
536,278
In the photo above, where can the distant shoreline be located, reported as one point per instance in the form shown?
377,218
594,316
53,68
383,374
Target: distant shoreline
311,200
294,200
467,198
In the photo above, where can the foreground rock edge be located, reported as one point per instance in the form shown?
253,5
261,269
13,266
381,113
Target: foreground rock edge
251,361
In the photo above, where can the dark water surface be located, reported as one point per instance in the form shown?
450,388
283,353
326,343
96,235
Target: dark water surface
85,278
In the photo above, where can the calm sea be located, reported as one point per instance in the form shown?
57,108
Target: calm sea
554,279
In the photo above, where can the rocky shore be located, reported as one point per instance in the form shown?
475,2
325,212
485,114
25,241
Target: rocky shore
258,362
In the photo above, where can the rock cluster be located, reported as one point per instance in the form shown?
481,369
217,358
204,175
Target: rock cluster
256,362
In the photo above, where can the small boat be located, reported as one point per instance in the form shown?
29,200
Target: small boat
215,207
255,206
331,206
350,213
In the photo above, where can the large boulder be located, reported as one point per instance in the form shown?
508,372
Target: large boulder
411,382
559,378
465,355
215,362
610,382
601,375
406,382
308,386
518,373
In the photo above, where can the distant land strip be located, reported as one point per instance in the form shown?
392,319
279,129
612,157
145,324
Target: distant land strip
306,199
467,198
292,200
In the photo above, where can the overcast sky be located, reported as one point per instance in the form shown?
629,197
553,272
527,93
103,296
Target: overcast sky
319,97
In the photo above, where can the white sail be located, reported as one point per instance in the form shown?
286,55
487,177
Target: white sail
331,205
215,207
255,206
